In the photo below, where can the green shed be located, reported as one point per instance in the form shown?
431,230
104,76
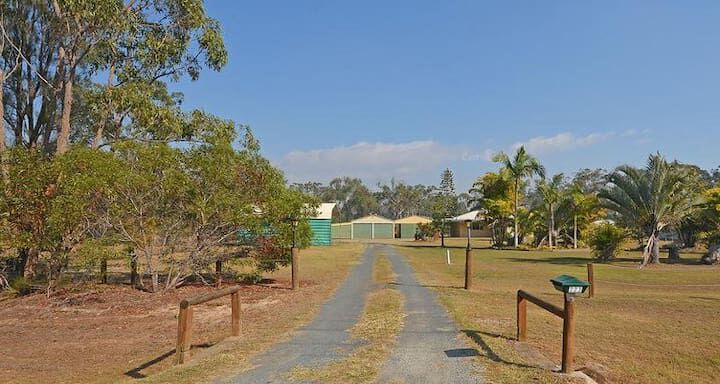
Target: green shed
341,230
321,225
372,227
406,227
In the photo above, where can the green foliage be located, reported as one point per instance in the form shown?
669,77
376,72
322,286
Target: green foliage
493,192
444,203
650,199
606,240
521,166
353,199
134,46
251,277
21,286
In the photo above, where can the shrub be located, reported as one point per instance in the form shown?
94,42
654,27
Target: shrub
605,241
21,285
251,277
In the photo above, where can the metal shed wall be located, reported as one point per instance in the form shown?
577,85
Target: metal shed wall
321,231
341,231
362,231
407,231
384,231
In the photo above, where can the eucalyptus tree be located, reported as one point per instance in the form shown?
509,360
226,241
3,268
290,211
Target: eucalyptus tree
649,200
66,46
353,198
398,199
552,194
520,167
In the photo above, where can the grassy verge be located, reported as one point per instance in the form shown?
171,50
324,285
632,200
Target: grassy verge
378,329
653,325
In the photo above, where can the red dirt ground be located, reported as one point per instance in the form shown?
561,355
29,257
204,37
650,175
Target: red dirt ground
107,333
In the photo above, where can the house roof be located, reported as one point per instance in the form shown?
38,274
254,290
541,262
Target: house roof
325,211
475,215
372,219
415,219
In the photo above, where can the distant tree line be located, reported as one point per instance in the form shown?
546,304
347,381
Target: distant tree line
523,206
393,200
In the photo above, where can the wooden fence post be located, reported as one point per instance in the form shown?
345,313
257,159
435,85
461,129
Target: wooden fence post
218,273
468,268
568,350
184,330
133,272
521,318
591,279
295,276
235,304
103,271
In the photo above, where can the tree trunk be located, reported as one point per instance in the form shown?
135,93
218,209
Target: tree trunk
63,138
30,263
651,253
575,231
550,228
101,124
2,110
655,251
155,282
66,64
515,211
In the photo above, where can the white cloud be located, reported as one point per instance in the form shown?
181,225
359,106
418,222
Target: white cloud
371,161
561,142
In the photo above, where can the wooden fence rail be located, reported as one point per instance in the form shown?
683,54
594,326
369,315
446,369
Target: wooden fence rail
567,314
185,317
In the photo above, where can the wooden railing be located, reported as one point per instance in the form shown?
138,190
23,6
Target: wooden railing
185,317
567,314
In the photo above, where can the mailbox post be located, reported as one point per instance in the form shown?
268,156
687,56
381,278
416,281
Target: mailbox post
468,258
294,255
569,286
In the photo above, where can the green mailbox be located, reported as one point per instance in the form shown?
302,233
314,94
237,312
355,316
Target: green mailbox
569,284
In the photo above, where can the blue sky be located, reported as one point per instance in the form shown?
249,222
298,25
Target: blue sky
381,89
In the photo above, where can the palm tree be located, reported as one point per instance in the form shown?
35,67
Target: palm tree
520,167
582,205
649,199
552,194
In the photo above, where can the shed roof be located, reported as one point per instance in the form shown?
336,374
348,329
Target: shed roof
325,211
414,219
475,215
372,219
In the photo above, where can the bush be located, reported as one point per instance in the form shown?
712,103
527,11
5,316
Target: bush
21,285
251,278
605,241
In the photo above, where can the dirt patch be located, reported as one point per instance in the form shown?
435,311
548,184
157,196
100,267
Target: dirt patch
107,333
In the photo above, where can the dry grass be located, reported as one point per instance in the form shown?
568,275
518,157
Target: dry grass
106,333
378,328
328,265
656,325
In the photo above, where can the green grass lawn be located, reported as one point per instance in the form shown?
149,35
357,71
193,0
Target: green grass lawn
654,325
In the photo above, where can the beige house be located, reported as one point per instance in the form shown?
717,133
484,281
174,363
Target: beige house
478,225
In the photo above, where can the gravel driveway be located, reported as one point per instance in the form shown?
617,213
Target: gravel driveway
429,348
326,338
